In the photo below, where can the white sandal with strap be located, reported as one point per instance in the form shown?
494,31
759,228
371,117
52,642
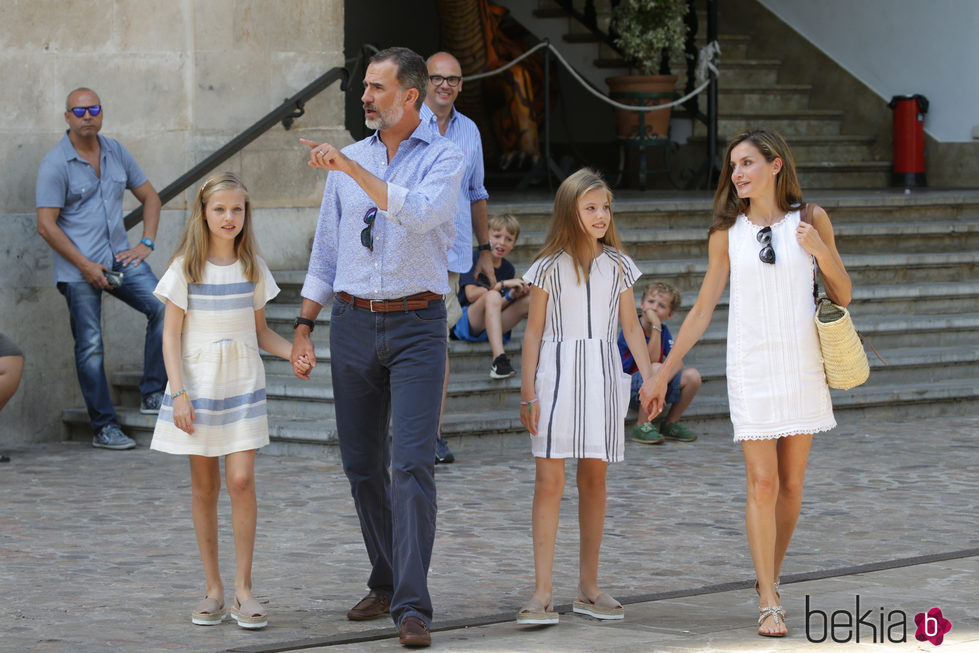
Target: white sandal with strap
778,616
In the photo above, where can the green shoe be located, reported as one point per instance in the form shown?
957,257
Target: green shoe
677,431
647,433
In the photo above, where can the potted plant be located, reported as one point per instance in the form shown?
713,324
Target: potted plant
648,32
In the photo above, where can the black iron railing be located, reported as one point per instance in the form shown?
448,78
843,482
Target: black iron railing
285,113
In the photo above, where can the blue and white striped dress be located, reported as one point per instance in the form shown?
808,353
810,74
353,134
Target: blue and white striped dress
582,392
222,368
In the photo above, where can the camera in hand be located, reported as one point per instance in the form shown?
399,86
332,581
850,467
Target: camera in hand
113,277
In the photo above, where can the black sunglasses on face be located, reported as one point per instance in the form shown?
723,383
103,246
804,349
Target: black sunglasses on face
767,254
437,80
365,235
93,110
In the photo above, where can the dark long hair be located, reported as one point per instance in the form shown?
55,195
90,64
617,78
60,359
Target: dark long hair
728,206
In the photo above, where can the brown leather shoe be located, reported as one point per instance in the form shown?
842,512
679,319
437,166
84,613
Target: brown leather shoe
372,606
414,633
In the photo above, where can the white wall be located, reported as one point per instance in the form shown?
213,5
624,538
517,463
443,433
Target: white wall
901,47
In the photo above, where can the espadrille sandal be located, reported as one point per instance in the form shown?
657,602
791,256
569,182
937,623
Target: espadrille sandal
249,614
602,607
535,613
209,612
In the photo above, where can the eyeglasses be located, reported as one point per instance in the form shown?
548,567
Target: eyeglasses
437,80
767,254
365,235
93,110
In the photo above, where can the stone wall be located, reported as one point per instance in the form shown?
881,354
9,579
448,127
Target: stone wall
178,79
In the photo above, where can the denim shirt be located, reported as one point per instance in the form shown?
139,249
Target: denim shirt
465,134
91,206
411,238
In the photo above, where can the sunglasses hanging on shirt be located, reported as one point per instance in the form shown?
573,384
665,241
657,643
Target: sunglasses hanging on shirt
767,253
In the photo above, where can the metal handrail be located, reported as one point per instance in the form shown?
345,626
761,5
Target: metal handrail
285,113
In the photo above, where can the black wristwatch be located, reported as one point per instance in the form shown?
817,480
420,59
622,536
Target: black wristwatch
306,321
484,248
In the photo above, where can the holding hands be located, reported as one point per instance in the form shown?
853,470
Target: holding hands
652,395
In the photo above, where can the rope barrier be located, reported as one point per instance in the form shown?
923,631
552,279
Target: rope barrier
706,61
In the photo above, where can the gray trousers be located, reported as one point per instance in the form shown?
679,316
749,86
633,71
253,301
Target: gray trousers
391,364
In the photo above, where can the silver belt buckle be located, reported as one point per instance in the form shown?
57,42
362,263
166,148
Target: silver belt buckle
372,305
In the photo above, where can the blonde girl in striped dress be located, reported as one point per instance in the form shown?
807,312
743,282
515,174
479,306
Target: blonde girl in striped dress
574,395
215,291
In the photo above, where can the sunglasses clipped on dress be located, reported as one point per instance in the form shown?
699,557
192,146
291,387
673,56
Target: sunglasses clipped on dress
767,253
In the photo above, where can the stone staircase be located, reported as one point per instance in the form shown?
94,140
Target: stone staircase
913,261
754,89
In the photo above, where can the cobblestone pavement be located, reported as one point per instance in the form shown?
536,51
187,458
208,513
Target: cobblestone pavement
97,549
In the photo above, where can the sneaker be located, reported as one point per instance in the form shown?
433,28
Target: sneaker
443,454
501,368
677,431
111,436
151,404
646,433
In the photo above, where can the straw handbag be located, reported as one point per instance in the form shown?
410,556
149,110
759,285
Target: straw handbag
844,359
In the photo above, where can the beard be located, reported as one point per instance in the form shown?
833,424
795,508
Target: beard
384,119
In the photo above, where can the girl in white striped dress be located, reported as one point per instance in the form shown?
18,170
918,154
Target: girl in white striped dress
574,395
215,291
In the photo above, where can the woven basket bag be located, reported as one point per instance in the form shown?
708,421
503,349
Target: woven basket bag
844,358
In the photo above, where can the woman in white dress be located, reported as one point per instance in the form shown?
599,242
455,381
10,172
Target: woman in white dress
776,385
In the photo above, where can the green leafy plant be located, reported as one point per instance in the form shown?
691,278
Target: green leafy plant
649,32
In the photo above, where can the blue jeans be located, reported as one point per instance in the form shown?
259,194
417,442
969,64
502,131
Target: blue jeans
388,369
85,313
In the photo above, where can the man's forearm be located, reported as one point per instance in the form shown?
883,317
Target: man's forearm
479,220
376,188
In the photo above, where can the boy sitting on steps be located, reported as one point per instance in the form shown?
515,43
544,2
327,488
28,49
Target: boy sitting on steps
488,313
659,301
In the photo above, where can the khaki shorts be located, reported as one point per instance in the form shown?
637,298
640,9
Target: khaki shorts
453,311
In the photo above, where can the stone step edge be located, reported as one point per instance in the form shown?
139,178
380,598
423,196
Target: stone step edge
324,431
320,389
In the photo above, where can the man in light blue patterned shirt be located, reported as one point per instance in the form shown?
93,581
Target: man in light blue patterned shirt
444,86
381,250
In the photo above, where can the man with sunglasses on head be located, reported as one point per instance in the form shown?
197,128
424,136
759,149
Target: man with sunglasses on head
444,86
381,250
79,193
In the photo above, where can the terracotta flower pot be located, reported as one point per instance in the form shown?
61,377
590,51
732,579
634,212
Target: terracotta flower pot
643,90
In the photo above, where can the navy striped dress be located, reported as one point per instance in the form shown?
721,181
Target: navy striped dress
582,392
222,368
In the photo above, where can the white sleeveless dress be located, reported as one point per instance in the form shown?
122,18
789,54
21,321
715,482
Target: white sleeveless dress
582,392
775,381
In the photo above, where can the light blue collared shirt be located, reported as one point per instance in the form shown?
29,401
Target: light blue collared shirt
463,132
411,239
91,206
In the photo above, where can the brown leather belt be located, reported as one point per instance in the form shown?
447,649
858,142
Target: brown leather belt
410,303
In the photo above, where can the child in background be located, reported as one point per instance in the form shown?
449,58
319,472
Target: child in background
659,301
488,313
574,396
215,291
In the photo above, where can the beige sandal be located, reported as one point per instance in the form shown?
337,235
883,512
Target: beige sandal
249,614
209,612
602,607
778,616
537,614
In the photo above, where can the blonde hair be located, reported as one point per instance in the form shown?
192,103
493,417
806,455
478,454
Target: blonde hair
506,221
195,242
663,288
728,206
567,233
